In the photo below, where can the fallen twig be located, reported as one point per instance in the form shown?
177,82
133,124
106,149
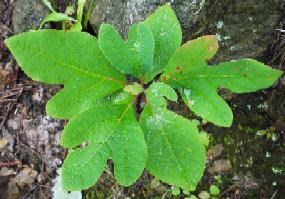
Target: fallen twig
229,190
10,164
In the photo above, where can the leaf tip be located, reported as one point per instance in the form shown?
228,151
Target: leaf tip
8,43
210,37
51,109
105,26
166,6
212,41
279,73
227,122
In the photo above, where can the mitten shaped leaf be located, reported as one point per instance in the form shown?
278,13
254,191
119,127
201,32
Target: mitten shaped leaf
176,154
156,93
110,131
134,56
167,35
70,58
188,71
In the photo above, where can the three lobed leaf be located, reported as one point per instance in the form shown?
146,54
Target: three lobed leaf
188,72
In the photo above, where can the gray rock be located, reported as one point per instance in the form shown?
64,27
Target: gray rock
215,151
13,123
28,14
220,166
26,176
123,14
244,28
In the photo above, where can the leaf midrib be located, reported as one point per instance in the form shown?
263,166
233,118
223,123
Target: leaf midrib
105,141
184,175
204,95
206,76
81,92
69,65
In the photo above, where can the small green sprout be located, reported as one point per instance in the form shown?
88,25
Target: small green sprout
214,190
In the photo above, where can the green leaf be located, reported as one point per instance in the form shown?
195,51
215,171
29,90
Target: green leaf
204,195
56,17
48,4
110,131
176,154
205,137
175,191
134,56
197,82
214,190
88,13
167,35
156,93
76,27
80,7
134,89
70,58
69,10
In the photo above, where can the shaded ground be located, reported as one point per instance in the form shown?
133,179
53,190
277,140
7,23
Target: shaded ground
29,151
242,161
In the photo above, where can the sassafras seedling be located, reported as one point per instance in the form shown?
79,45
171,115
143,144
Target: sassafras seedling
100,105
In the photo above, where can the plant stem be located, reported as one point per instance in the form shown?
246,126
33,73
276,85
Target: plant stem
87,15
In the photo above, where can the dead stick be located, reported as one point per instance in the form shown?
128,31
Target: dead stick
10,164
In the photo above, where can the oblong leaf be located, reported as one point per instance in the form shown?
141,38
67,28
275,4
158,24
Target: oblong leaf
129,152
176,154
167,35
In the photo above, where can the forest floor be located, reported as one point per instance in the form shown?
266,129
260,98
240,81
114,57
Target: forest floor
244,161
